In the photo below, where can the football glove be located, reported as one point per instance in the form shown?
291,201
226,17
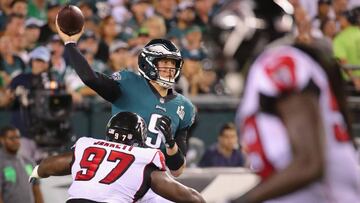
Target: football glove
163,124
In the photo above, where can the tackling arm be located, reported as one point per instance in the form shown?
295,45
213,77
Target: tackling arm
165,186
58,165
300,114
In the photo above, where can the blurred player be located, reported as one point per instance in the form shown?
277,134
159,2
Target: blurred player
149,94
118,170
293,114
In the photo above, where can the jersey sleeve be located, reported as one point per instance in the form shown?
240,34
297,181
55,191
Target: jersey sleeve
159,160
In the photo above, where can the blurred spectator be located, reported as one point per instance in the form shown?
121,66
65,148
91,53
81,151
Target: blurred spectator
328,28
310,7
189,82
156,27
91,19
303,25
5,10
5,95
21,86
89,41
167,10
32,33
64,74
10,64
15,171
191,43
119,56
323,14
226,152
15,26
185,17
202,8
120,10
141,38
95,64
132,62
347,42
37,9
19,7
197,79
49,28
339,6
109,32
346,46
57,61
140,10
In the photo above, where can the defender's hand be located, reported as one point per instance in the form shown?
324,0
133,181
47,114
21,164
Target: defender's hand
34,175
163,124
66,38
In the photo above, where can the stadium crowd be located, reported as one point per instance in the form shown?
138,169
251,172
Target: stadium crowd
117,30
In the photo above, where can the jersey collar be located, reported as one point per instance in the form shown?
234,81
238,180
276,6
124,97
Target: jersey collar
171,93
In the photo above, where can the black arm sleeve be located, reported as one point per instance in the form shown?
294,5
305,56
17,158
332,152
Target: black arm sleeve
105,86
180,139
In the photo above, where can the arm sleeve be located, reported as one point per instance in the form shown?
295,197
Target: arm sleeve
180,139
105,86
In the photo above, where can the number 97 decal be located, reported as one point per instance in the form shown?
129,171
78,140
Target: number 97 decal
92,159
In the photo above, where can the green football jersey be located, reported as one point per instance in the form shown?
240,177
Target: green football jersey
140,97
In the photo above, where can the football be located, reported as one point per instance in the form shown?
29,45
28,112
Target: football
70,20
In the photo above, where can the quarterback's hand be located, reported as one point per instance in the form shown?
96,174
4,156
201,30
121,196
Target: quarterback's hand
34,175
66,38
163,124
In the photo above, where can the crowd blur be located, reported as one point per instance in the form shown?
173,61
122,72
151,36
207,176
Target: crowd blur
116,30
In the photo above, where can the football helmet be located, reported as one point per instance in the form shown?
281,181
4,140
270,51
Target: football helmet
240,29
155,50
127,128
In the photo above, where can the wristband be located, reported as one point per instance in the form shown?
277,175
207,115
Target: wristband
170,144
34,174
174,162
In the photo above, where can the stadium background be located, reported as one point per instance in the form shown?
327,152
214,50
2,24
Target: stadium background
215,106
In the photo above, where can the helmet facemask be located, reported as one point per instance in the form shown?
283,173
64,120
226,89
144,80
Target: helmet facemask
153,52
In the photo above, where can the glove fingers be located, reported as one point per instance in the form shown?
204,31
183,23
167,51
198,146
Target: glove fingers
167,120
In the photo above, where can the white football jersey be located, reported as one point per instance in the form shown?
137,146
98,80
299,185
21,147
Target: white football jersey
110,172
284,69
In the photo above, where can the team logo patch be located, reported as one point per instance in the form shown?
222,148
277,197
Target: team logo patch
180,111
116,76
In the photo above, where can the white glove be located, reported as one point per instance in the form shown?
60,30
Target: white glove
34,175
